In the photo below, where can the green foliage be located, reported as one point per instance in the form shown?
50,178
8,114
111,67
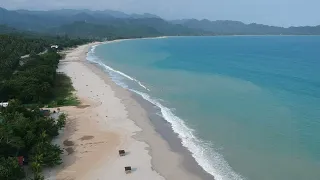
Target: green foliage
33,80
24,131
10,169
63,92
99,31
120,29
11,143
4,29
36,166
62,120
46,154
11,48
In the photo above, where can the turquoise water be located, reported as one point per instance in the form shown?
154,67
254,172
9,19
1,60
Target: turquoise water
246,107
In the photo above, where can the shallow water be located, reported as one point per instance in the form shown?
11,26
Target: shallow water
246,107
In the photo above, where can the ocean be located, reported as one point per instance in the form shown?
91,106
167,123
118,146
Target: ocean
246,107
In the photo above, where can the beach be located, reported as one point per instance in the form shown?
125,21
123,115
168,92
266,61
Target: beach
231,125
111,118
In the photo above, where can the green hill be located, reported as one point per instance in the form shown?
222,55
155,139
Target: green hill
98,31
92,24
239,28
101,24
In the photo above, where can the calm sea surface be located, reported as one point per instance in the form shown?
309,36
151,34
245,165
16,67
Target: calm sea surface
246,107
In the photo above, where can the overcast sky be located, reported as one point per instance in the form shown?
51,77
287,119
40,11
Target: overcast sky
271,12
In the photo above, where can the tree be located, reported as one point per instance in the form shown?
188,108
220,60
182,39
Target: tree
10,169
24,131
47,154
61,122
10,144
36,166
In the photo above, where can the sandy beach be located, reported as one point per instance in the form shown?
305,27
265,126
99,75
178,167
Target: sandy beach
107,120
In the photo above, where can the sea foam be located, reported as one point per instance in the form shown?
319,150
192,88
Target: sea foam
91,57
203,152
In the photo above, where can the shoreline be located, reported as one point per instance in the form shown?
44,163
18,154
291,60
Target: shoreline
196,160
181,156
164,129
161,126
135,133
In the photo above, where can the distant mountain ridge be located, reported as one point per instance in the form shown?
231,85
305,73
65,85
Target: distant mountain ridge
34,20
104,13
115,24
227,27
93,24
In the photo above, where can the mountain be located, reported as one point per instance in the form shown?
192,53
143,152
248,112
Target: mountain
4,29
162,26
39,20
97,31
240,28
96,14
111,24
121,28
128,28
144,16
93,24
29,21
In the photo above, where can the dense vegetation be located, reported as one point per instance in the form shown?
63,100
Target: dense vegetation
26,132
97,31
28,83
31,79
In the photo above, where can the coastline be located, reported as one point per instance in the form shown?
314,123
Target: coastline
120,120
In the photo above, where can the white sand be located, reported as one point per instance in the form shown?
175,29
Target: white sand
104,124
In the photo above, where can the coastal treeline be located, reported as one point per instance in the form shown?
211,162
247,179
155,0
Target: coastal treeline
28,67
12,48
28,81
26,132
33,81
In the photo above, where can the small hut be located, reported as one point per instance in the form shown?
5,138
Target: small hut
54,47
127,169
45,112
122,152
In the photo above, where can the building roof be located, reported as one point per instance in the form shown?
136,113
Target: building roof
4,104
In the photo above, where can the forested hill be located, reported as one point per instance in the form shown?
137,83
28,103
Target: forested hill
240,28
93,24
29,83
115,24
4,29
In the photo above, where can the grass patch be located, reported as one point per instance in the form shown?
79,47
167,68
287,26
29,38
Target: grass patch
63,92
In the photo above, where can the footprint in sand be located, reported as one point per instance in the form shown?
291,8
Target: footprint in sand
68,143
84,138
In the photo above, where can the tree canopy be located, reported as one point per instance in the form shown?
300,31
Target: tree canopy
29,79
26,132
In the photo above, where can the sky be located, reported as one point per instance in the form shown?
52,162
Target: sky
271,12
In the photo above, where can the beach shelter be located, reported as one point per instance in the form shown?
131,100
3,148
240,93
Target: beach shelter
127,169
122,152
